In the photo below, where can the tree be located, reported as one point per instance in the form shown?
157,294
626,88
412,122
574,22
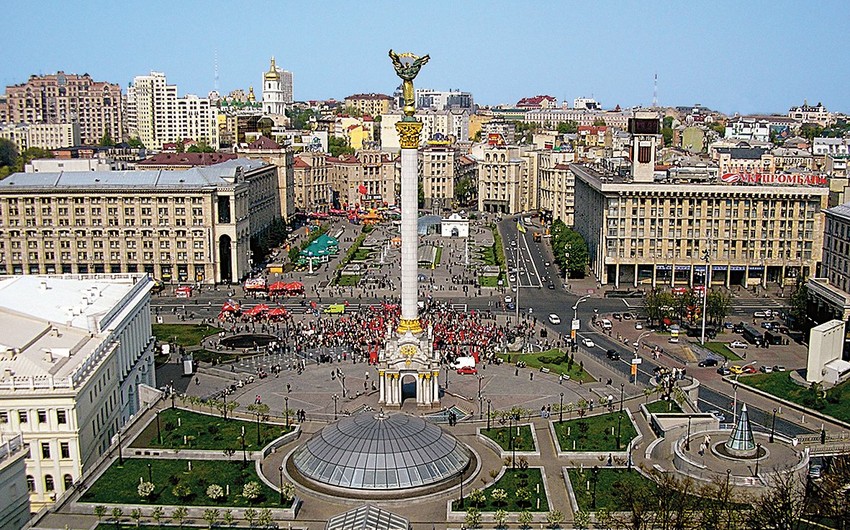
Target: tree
8,152
782,504
599,122
179,515
156,514
181,490
718,306
799,302
554,518
201,147
145,489
339,146
136,515
567,127
99,512
719,128
211,516
581,519
30,154
215,492
227,518
464,190
300,118
250,516
117,513
135,143
655,304
106,140
473,517
810,131
567,241
288,490
265,517
500,517
525,518
523,495
499,496
477,497
251,490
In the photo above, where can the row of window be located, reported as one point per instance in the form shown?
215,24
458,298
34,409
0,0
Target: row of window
49,486
41,416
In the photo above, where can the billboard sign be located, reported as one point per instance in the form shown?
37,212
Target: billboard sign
787,179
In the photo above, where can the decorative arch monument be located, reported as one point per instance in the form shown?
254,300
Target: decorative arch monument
409,350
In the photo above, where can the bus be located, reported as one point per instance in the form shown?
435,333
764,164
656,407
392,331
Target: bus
752,335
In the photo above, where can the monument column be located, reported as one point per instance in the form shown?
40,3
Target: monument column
408,132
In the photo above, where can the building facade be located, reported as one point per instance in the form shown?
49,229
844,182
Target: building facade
502,172
60,98
829,294
15,509
367,179
275,93
439,166
81,348
311,187
372,103
452,125
192,226
157,116
44,136
427,98
556,186
282,158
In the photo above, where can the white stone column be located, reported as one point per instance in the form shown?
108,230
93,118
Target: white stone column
409,233
381,385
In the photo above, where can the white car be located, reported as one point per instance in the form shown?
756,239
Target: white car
759,314
738,344
508,299
588,343
638,325
554,319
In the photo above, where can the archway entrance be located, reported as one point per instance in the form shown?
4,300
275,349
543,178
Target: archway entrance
224,252
408,387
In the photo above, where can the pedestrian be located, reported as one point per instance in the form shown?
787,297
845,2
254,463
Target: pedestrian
531,376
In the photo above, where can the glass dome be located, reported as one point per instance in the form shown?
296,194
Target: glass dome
381,452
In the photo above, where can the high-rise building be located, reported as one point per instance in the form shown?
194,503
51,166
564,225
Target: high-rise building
62,98
156,115
443,99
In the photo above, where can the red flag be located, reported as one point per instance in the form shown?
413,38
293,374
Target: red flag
362,189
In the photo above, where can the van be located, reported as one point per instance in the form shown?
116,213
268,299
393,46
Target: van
606,324
463,362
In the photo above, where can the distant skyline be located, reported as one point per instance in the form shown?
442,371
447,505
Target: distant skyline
745,57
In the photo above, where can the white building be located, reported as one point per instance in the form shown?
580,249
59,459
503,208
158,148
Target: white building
74,351
156,115
15,507
275,93
56,165
586,103
42,135
748,129
427,98
830,146
450,124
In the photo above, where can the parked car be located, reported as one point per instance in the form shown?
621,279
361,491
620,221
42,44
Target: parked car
815,471
738,344
606,324
612,354
508,299
617,316
627,316
547,264
724,370
638,325
749,369
767,325
739,327
467,370
766,369
708,362
719,415
588,343
554,319
759,314
778,368
728,325
551,285
737,370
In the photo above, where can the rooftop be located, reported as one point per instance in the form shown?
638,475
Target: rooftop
842,210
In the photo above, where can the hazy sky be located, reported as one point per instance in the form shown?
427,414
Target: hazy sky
733,56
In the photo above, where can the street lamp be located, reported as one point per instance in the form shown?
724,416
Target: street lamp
567,271
158,431
706,256
480,378
244,454
735,399
488,414
758,457
150,473
688,436
280,470
511,441
120,456
335,398
595,480
561,409
622,390
286,409
575,307
773,425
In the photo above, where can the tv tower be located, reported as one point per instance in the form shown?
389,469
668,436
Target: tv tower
655,92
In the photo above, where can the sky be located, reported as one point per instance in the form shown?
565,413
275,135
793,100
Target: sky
731,56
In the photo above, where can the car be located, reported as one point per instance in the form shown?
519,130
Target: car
766,369
588,343
638,325
512,278
548,264
815,471
728,325
628,316
617,316
554,319
759,314
508,299
612,354
778,368
767,325
749,369
724,370
551,285
738,344
511,306
719,415
708,362
467,370
737,370
738,328
335,309
606,324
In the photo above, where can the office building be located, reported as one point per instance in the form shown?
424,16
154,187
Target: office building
367,178
41,135
60,98
75,352
427,98
829,294
311,191
191,226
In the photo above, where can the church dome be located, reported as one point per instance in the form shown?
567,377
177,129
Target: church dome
272,74
381,452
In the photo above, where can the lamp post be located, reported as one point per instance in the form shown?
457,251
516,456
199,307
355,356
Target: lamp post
460,487
280,470
150,473
480,407
511,441
688,436
120,456
158,431
335,398
735,399
706,256
773,425
622,390
575,307
758,457
258,429
595,480
480,378
488,414
567,271
561,409
286,409
244,454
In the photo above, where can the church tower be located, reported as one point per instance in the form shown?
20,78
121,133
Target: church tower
274,97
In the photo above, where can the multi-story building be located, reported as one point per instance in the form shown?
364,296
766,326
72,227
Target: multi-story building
551,117
61,98
15,509
311,191
44,136
747,128
537,102
157,116
502,174
792,159
745,160
427,98
811,114
367,178
372,103
829,294
180,161
281,157
830,146
439,165
441,125
76,351
556,185
586,104
186,226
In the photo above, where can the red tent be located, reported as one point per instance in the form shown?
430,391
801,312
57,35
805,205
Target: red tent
278,312
278,286
262,308
295,286
230,307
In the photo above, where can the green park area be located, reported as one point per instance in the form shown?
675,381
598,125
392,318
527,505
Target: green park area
183,334
557,362
664,407
348,280
182,483
595,433
517,490
779,384
720,348
523,441
609,485
184,429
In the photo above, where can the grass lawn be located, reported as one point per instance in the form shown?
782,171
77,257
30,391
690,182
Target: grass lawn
779,384
206,432
661,407
348,280
593,433
437,257
512,481
186,334
362,254
554,360
721,349
118,485
523,441
487,255
609,483
489,281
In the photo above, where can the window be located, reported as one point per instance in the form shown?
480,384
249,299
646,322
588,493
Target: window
61,417
48,483
65,449
4,416
42,416
30,483
68,481
22,416
45,449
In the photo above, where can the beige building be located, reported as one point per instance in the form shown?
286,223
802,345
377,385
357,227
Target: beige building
367,178
745,160
371,104
75,351
182,226
656,232
311,187
41,135
439,169
556,185
503,173
811,114
452,125
60,98
282,158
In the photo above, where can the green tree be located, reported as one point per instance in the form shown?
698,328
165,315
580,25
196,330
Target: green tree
667,130
500,518
464,190
719,128
525,518
782,505
799,303
477,497
180,146
135,143
599,122
201,147
227,518
250,516
567,127
351,111
259,410
300,118
810,131
136,515
181,490
477,136
718,306
554,518
8,152
251,491
265,518
179,515
99,512
473,517
157,514
106,140
211,516
339,146
565,241
117,513
30,154
499,496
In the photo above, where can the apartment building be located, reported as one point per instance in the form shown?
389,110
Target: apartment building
556,185
427,98
368,178
60,98
41,135
182,226
439,125
157,116
503,172
551,117
439,169
74,354
311,187
829,293
745,160
282,158
372,103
